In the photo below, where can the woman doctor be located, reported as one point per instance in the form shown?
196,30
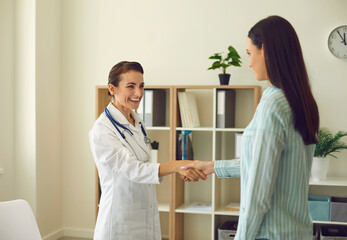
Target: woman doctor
119,143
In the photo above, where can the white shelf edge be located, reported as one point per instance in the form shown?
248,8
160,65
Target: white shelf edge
195,129
211,129
163,207
227,213
221,210
330,222
229,129
194,212
183,209
158,128
331,181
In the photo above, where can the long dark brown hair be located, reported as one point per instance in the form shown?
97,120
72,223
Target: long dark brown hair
286,70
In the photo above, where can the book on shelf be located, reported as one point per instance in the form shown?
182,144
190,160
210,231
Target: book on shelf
184,148
233,206
200,206
225,108
152,108
188,110
140,111
238,140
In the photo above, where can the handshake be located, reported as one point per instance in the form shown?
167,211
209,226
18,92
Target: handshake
192,171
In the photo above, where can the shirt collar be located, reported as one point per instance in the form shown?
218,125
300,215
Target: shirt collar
117,115
270,90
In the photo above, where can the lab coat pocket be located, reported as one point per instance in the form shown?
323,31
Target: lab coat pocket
133,224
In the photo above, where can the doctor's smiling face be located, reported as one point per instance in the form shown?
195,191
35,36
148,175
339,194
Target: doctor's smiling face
129,92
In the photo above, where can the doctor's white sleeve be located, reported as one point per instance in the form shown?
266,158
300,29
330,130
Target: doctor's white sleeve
109,152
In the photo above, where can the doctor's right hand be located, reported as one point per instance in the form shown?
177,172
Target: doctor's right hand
191,174
206,166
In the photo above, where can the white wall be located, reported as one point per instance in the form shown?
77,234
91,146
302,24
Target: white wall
30,73
173,40
6,98
79,64
62,49
24,102
48,116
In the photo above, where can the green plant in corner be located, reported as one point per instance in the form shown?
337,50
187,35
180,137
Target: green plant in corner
231,59
329,143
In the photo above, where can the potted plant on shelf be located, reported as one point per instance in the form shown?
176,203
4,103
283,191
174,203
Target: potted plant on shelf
327,144
231,59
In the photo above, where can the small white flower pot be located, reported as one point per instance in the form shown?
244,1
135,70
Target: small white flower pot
319,169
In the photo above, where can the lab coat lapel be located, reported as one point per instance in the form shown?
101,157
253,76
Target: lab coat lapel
137,146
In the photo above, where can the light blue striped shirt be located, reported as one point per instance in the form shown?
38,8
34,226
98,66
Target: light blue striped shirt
275,167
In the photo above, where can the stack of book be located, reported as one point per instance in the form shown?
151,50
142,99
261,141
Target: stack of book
188,110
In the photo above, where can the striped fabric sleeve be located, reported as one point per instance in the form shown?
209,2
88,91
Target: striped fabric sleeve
227,168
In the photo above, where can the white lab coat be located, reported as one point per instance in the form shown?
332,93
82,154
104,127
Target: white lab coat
128,206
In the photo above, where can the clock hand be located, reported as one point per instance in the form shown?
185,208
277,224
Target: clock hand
343,40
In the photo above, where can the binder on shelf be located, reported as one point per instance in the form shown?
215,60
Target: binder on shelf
238,140
141,109
188,110
225,108
184,146
154,107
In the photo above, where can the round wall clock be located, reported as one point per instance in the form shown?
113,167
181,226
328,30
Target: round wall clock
337,42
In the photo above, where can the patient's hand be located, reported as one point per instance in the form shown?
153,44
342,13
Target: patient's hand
191,174
206,166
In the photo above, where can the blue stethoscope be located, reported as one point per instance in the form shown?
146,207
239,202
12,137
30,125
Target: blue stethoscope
117,124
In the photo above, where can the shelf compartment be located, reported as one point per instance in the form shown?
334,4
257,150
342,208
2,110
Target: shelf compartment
219,220
154,108
204,229
226,145
163,137
227,190
193,193
201,143
204,101
244,98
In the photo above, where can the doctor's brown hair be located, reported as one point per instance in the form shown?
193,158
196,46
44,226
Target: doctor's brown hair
286,70
122,67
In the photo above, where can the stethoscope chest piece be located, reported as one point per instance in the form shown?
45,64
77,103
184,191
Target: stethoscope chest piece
148,140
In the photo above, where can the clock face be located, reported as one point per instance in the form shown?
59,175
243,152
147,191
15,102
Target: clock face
337,42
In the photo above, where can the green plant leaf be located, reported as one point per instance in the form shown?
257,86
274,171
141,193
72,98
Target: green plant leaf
215,65
231,59
329,143
216,56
